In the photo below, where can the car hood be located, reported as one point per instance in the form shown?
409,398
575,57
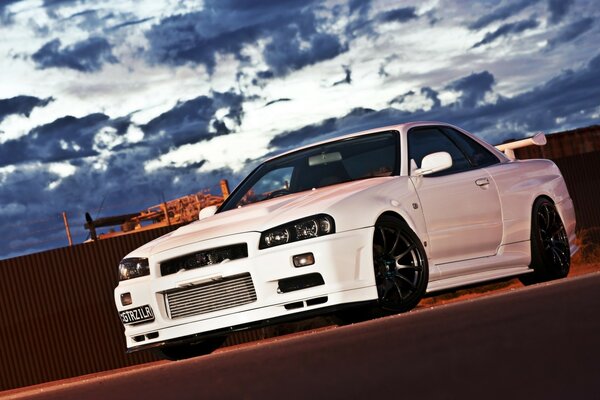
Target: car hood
261,216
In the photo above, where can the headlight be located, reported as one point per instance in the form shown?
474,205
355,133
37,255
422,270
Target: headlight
305,228
133,268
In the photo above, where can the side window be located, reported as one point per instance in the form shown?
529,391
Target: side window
424,141
479,155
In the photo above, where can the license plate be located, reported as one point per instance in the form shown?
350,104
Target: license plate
137,315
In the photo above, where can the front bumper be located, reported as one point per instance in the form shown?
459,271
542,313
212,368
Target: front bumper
343,260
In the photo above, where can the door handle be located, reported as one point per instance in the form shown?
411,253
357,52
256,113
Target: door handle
482,182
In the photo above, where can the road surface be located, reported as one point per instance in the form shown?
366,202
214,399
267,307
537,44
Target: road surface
540,342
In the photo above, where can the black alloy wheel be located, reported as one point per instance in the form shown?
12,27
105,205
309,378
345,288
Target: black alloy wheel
400,263
550,251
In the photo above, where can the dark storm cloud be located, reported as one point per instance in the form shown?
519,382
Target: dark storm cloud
501,13
284,99
295,138
400,99
558,9
359,6
431,95
508,29
426,91
6,17
473,88
347,79
288,50
46,142
59,2
53,6
130,23
22,105
398,15
94,20
71,139
294,35
571,32
196,38
537,109
357,119
86,56
362,23
359,21
195,120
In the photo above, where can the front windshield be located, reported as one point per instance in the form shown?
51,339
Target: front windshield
360,157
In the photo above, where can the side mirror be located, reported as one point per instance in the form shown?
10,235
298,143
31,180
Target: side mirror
207,212
434,162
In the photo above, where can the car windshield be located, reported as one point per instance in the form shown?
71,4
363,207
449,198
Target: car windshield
361,157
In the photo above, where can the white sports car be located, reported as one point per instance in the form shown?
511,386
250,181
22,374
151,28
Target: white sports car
377,219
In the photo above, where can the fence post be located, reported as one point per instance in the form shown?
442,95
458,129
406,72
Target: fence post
64,214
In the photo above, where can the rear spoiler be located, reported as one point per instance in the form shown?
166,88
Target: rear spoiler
538,139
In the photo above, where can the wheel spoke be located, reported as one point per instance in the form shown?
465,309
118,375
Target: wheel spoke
405,280
556,257
404,253
562,256
393,249
400,267
384,241
547,215
398,290
542,221
559,230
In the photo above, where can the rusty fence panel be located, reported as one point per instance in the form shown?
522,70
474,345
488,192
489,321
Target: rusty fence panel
58,317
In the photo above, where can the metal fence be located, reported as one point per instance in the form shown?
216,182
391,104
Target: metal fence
58,317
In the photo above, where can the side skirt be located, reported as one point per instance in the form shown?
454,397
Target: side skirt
512,259
463,280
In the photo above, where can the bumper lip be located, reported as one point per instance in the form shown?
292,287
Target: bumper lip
190,339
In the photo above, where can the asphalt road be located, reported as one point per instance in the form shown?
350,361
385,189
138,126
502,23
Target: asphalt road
541,342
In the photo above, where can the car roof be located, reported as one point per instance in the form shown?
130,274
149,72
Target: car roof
398,127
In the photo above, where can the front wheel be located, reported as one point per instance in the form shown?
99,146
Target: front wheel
550,252
400,263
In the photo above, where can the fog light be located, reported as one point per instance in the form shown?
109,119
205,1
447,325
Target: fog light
126,299
302,260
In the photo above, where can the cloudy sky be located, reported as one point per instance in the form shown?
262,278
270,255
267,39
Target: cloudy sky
110,106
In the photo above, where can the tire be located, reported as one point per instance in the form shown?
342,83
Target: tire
550,251
184,351
400,265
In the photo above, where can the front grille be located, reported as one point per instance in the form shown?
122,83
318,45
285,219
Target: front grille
209,297
204,258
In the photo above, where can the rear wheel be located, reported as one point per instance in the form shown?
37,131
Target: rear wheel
400,263
550,252
183,351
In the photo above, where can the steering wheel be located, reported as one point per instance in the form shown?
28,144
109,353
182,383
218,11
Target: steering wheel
277,193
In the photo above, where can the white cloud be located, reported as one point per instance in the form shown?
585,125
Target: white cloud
231,151
62,170
5,172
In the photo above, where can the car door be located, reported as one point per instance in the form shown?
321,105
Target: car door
461,205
